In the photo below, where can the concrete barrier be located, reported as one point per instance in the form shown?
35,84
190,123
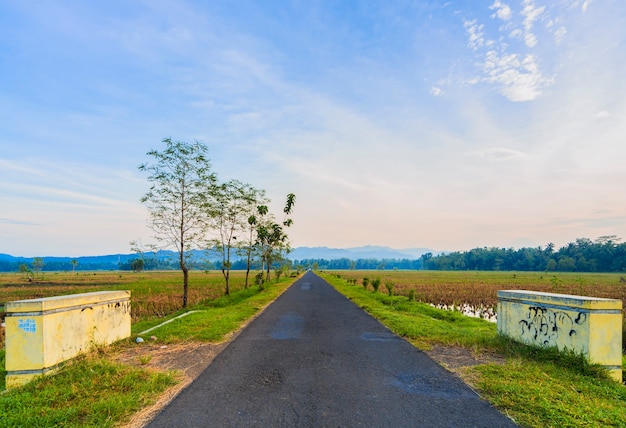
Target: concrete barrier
41,333
588,325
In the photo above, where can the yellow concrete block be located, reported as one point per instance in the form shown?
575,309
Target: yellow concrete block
41,333
588,325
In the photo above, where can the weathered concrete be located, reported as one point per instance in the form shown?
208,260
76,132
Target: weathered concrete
41,333
588,325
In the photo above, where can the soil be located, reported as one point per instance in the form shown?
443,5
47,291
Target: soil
191,358
187,359
455,357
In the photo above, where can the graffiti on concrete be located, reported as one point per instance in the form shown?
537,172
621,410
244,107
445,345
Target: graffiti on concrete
548,327
28,325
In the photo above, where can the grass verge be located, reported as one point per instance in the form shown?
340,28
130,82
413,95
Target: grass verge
88,391
216,318
92,390
535,387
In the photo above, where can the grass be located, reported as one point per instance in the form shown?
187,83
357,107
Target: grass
89,391
479,289
92,390
536,387
216,318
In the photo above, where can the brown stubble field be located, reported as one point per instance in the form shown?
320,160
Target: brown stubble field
154,294
479,289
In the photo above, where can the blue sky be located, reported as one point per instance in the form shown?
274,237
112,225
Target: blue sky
441,124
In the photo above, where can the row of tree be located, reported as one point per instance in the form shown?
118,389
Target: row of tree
190,209
604,254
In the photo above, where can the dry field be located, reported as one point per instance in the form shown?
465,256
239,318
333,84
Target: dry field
479,289
153,294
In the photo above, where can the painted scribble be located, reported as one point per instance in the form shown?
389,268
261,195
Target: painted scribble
548,327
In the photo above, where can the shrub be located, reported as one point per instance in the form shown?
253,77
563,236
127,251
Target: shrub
375,284
389,287
365,282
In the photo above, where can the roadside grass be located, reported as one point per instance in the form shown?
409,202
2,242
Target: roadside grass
3,372
215,319
92,390
535,387
87,391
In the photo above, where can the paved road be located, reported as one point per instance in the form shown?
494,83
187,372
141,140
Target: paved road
314,359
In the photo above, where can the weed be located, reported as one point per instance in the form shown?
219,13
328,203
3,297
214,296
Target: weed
389,287
145,359
375,284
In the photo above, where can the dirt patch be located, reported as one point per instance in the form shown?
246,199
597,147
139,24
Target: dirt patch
188,359
455,357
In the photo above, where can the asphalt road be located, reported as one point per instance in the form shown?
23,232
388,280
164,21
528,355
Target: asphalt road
314,359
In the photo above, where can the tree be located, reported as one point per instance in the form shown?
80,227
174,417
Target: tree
137,265
272,240
247,248
229,217
38,264
74,263
177,201
25,270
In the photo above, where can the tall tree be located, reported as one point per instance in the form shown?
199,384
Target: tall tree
229,215
38,265
272,240
247,247
182,187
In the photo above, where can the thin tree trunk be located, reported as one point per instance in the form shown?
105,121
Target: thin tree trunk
247,270
185,285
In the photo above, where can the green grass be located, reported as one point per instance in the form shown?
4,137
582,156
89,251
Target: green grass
216,318
89,391
3,372
536,386
542,393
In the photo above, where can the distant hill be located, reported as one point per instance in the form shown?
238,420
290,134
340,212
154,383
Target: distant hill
355,253
168,259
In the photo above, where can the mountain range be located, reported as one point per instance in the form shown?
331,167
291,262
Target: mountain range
300,253
355,253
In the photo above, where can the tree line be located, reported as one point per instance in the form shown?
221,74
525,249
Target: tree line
191,209
604,254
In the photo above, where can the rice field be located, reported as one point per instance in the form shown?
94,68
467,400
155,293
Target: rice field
478,290
154,294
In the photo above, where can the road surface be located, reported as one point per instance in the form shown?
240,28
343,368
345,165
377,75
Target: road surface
314,359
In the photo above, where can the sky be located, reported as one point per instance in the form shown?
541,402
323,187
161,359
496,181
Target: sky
448,125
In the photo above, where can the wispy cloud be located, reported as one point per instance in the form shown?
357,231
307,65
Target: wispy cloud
517,58
502,154
18,222
531,13
502,10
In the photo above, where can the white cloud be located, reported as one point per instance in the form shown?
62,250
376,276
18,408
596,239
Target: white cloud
436,91
531,13
501,154
476,38
518,57
585,5
517,78
559,35
503,11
